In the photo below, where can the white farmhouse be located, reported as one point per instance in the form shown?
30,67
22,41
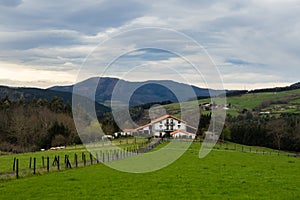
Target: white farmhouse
161,126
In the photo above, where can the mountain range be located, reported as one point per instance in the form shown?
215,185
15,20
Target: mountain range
136,93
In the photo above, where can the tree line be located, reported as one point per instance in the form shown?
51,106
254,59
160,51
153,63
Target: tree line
40,124
281,133
35,124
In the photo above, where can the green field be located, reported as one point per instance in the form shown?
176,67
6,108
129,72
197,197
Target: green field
251,101
223,174
6,161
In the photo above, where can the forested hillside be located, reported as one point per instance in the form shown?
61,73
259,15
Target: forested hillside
35,125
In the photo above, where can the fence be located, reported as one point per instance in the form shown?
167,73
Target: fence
57,163
226,146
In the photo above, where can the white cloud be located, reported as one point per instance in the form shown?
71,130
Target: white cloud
54,38
21,75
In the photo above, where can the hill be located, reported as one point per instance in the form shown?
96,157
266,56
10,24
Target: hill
147,92
276,103
14,94
269,119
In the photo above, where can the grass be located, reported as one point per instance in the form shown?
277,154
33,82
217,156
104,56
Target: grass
250,101
6,161
220,175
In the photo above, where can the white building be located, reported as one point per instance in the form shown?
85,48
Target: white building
183,134
166,124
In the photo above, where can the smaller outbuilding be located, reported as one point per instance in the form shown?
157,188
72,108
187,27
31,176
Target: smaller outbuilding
182,134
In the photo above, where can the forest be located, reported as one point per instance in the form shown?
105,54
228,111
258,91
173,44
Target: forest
40,124
36,124
281,132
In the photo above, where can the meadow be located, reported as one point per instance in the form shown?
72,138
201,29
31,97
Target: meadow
6,161
224,174
250,101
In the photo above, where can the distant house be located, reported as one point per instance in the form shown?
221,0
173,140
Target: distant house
165,125
182,134
265,113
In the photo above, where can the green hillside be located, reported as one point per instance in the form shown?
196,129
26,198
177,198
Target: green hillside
220,175
275,103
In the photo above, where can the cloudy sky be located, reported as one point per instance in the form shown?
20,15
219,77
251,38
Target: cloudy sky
254,44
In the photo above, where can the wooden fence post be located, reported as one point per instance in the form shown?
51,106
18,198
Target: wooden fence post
97,157
76,161
17,168
14,165
43,161
84,160
34,165
57,162
48,163
66,163
91,158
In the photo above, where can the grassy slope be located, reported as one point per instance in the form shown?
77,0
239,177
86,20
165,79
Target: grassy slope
250,101
6,161
221,175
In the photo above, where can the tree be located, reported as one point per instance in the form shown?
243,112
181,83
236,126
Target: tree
56,129
57,105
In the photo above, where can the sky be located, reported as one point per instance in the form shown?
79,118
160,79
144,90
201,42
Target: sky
252,44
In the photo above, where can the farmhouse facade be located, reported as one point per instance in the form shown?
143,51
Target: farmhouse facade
166,125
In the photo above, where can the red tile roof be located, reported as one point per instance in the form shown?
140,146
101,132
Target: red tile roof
183,131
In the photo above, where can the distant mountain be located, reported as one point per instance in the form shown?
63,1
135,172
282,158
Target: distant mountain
144,92
14,94
277,89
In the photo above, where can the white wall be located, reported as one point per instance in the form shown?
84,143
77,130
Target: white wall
158,126
182,135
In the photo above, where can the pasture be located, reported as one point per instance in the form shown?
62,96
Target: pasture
290,103
224,174
6,161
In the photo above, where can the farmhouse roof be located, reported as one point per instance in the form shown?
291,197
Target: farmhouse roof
182,131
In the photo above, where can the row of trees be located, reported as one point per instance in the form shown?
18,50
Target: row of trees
281,133
36,124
